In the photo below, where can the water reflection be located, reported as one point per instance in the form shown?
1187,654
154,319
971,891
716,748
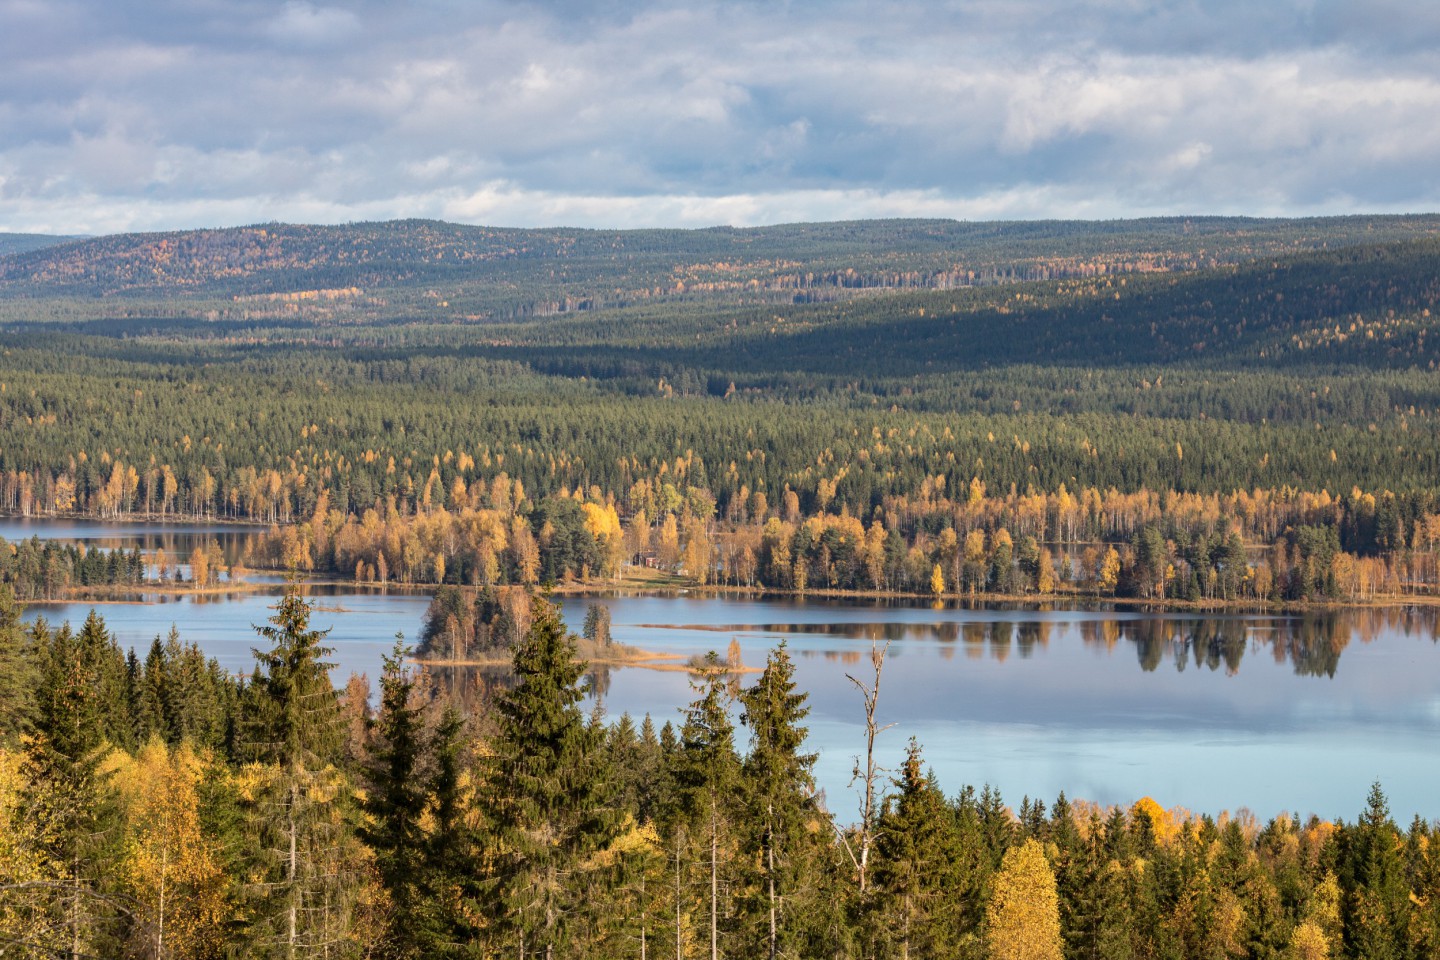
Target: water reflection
1311,643
175,540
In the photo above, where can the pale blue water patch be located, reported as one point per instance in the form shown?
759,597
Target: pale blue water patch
1272,713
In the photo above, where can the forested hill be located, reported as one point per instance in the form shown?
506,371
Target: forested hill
515,271
24,242
1369,306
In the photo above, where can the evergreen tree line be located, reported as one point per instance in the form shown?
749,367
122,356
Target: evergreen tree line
163,809
36,569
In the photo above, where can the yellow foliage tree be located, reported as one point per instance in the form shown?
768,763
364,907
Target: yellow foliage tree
199,567
1045,581
1163,826
668,551
604,525
1308,943
601,520
1109,577
1022,920
696,559
168,866
23,861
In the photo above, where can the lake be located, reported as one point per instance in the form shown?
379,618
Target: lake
1270,712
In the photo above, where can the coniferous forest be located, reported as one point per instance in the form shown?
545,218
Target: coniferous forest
157,807
1210,411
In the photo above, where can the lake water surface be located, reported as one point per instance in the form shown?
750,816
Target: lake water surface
1274,713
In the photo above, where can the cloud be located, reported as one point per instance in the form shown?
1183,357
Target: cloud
146,113
306,25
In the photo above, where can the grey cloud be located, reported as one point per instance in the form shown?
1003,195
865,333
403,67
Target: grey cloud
535,111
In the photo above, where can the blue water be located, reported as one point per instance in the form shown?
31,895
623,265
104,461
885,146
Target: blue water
1272,713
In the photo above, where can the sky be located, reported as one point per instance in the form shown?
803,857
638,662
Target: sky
119,115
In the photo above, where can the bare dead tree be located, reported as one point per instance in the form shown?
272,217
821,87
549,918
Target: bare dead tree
870,773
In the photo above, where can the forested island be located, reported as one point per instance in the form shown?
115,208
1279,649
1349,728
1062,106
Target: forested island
1202,411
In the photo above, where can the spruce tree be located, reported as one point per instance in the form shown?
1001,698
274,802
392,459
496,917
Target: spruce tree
304,858
781,787
1377,914
451,846
294,715
82,712
395,802
546,791
914,882
19,673
151,720
707,774
597,626
652,773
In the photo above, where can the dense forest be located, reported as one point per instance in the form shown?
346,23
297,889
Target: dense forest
157,807
1111,428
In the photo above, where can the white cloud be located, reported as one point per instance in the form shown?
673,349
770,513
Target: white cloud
710,112
306,25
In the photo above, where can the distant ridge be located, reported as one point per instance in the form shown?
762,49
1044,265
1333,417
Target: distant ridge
579,263
25,242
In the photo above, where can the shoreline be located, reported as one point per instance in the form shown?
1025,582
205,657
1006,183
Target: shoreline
117,595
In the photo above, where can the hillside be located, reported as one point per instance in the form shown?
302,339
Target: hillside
471,273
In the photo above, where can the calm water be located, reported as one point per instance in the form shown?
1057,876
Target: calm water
1273,713
176,539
